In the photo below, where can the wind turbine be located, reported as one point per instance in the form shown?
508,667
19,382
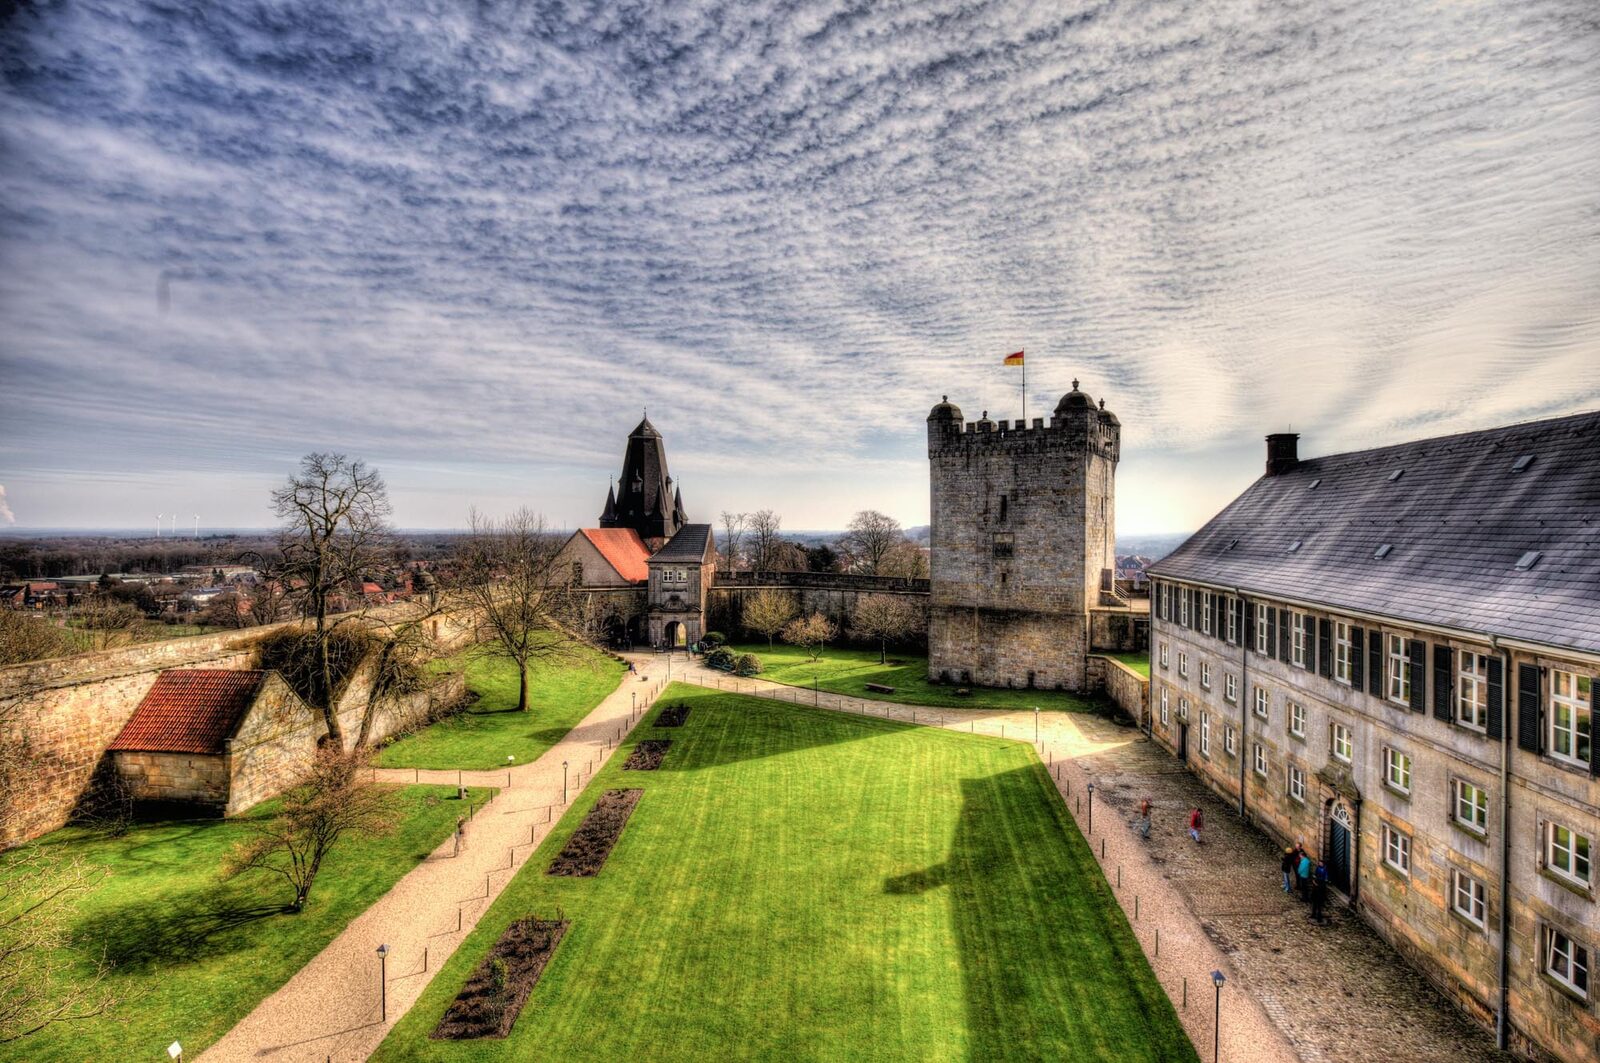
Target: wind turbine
158,524
197,526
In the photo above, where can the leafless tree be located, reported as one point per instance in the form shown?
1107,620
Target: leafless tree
885,618
402,648
765,539
333,800
30,638
811,633
733,526
335,512
36,949
510,578
870,537
905,560
767,611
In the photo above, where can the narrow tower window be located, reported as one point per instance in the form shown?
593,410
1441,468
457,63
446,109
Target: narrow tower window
1002,508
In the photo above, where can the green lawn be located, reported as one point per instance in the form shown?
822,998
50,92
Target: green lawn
193,955
846,670
802,884
559,695
1139,662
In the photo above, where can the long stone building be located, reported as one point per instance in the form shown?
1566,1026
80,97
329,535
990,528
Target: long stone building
1023,547
1392,656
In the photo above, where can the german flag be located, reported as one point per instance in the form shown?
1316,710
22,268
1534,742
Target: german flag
1014,359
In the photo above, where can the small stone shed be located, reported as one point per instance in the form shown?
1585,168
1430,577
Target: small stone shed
224,739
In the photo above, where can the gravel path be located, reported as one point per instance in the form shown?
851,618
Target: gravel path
331,1008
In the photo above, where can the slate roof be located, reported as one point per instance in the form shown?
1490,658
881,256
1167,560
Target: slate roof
190,711
623,550
643,497
690,544
1457,518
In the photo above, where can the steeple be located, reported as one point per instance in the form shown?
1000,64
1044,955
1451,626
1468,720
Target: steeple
608,516
644,501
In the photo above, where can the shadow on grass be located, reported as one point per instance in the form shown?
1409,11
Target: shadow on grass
1049,964
184,928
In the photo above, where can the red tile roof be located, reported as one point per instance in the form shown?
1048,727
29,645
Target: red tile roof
190,711
623,548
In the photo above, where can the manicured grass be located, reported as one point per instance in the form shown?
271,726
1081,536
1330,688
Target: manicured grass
1139,662
802,884
193,954
559,695
846,670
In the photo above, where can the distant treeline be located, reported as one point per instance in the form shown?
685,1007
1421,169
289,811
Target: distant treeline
89,555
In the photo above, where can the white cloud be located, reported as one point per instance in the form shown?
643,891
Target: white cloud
6,515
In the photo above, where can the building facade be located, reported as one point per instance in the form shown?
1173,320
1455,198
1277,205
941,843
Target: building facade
1023,543
1392,657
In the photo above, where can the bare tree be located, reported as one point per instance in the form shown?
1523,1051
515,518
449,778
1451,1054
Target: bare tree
333,800
885,618
403,647
767,611
29,638
510,577
811,633
37,989
870,537
905,560
765,539
733,525
335,512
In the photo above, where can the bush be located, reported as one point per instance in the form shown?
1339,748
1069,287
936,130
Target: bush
748,664
722,659
712,639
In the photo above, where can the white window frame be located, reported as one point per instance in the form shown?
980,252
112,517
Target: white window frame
1472,691
1183,664
1297,640
1259,757
1166,601
1263,699
1571,718
1166,714
1297,784
1566,961
1183,606
1205,613
1397,769
1399,678
1230,687
1230,739
1205,674
1396,850
1342,651
1262,632
1183,709
1569,854
1469,898
1469,806
1205,734
1297,719
1233,622
1164,655
1341,742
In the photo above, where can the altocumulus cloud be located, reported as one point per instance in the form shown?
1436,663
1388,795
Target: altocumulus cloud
469,244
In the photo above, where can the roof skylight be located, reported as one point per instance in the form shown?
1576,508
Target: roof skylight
1396,475
1522,463
1529,559
1383,551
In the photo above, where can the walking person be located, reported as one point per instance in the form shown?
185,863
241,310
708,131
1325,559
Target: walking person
1197,822
1142,823
1319,893
1287,866
1304,871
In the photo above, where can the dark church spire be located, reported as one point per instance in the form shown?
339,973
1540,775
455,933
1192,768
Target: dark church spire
642,503
608,516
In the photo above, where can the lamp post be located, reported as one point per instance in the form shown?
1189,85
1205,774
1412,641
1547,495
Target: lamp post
383,983
1216,1018
1036,725
175,1051
816,690
1090,788
563,782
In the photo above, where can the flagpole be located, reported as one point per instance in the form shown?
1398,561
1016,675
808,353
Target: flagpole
1024,393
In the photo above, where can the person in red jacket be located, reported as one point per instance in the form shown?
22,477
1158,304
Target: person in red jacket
1196,822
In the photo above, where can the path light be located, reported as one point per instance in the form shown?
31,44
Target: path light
383,983
1091,807
1216,1018
175,1050
1036,725
563,782
511,758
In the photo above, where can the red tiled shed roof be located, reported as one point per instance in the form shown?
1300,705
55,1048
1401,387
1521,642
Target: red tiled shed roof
190,711
623,548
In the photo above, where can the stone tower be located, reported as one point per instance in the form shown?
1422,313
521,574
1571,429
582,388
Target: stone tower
643,499
1023,542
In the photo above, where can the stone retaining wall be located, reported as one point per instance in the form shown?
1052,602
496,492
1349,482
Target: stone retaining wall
1129,689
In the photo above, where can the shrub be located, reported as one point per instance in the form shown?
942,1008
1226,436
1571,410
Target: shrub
712,639
721,658
748,664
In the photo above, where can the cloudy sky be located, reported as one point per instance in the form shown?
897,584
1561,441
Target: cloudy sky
470,242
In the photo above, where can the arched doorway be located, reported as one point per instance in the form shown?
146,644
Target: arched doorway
1341,839
676,635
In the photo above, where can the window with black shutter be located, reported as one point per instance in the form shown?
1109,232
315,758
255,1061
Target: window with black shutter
1357,645
1325,647
1375,663
1419,675
1497,697
1530,726
1285,618
1443,683
1272,632
1309,626
1249,611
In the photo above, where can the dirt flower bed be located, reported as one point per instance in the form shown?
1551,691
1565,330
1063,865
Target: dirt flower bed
673,715
648,755
493,997
586,851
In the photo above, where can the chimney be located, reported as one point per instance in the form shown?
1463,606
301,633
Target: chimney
1282,452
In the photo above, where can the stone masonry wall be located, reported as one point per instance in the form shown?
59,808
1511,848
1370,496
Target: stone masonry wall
1129,689
199,777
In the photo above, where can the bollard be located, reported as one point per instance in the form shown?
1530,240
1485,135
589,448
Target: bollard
508,780
1119,867
1077,804
424,959
1185,991
458,920
1102,847
1158,941
1135,907
416,776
